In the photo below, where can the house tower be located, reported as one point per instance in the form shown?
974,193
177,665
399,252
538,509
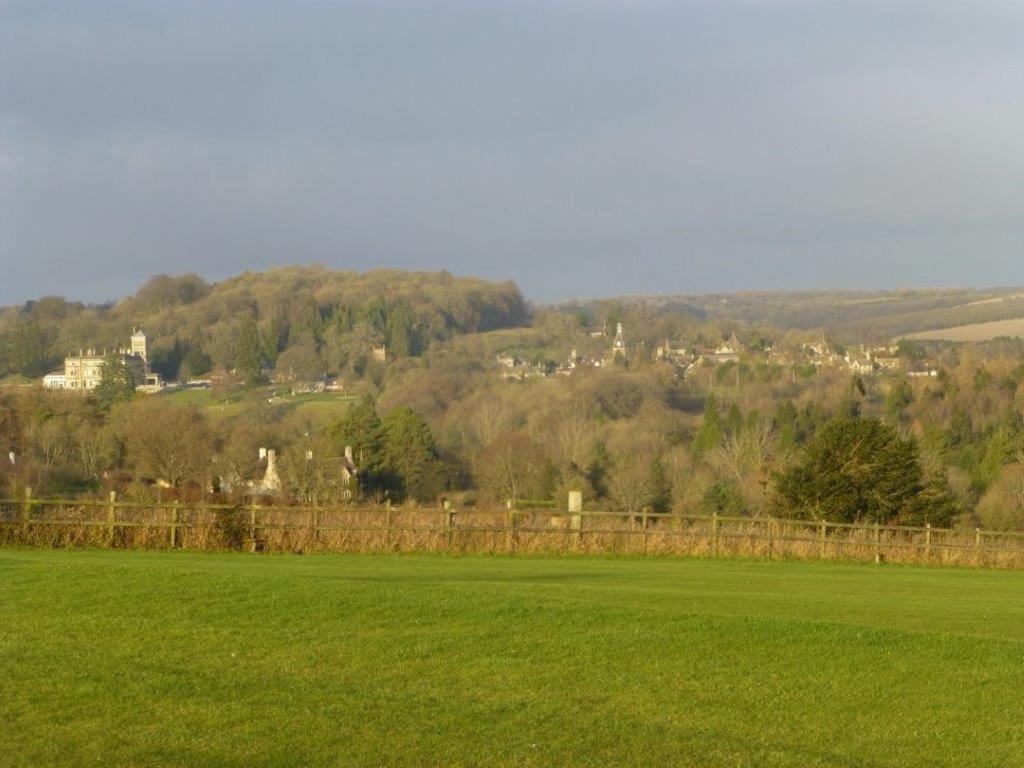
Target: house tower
140,345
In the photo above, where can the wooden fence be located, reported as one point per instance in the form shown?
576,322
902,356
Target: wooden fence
112,523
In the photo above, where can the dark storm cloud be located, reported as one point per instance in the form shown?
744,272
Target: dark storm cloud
578,147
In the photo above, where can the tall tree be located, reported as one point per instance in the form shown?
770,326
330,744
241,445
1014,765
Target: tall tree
249,353
167,441
196,363
117,385
27,353
401,332
709,436
511,468
360,428
411,453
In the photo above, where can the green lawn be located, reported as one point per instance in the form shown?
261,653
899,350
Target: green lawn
219,405
149,659
318,408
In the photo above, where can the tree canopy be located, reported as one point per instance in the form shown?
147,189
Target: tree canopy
860,470
116,383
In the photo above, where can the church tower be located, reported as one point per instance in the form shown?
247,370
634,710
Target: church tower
619,345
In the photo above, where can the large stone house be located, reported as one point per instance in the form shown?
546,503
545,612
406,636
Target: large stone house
84,371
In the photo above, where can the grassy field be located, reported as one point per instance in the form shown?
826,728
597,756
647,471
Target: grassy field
151,659
319,409
974,331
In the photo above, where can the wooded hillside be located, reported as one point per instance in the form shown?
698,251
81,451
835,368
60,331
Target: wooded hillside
322,318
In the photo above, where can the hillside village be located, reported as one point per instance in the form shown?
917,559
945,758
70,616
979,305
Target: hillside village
83,371
687,358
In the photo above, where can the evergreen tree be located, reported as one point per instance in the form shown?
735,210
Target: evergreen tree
5,355
275,340
361,429
860,470
411,453
400,332
308,327
249,353
899,396
116,383
597,469
343,319
961,430
724,497
376,314
661,487
785,421
997,451
196,362
709,436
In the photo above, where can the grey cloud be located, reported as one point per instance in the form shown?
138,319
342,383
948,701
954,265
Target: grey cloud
577,147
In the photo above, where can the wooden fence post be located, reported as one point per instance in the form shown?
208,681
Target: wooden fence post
510,537
387,524
174,525
771,537
643,522
821,539
977,546
449,524
927,542
878,544
576,516
110,518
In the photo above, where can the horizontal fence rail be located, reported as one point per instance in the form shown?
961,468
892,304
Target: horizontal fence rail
112,523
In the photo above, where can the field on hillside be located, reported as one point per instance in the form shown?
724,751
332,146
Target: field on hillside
143,658
849,315
974,331
318,408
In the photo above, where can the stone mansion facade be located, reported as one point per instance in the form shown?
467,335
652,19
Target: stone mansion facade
84,371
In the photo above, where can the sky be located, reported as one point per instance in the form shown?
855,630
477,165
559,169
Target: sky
582,148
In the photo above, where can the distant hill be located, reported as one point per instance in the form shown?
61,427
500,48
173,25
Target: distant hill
851,315
326,315
974,331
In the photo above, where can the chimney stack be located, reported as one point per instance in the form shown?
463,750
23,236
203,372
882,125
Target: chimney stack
271,480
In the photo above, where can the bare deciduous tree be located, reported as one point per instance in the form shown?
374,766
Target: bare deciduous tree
631,485
512,467
167,441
